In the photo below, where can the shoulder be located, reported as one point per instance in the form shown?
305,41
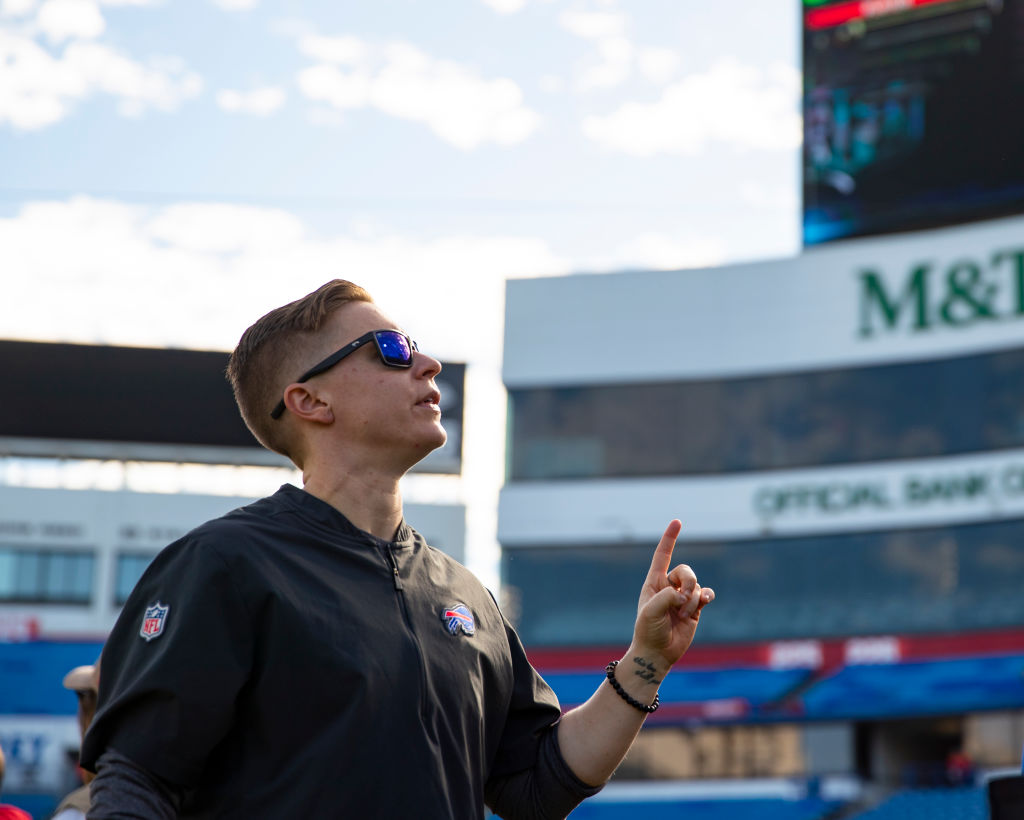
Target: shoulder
236,532
260,514
206,560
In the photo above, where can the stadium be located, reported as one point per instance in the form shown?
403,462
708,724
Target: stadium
841,434
862,538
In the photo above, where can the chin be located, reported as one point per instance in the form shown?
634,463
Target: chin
440,439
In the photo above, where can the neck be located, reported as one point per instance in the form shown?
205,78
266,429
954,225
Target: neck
372,502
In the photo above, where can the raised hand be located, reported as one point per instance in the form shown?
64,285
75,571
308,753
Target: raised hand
669,607
595,736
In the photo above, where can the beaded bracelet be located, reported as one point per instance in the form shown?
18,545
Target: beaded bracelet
609,670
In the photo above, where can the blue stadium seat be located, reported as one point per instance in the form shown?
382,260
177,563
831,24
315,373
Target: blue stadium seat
751,809
931,804
934,687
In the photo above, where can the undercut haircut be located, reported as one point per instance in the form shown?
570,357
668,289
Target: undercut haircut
275,350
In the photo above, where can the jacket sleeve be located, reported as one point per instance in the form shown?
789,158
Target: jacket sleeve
122,790
173,665
546,791
530,779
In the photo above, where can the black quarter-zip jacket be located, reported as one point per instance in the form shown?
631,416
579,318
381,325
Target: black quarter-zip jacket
280,662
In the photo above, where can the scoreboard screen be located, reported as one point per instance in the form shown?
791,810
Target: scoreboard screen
913,114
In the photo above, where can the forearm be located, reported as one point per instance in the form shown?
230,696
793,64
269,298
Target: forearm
596,736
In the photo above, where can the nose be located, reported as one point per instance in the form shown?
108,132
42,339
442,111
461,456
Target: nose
426,366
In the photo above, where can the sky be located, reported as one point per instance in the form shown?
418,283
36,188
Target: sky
172,169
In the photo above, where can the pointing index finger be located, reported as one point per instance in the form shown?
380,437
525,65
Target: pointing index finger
662,559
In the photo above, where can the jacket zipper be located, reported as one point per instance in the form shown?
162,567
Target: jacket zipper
403,605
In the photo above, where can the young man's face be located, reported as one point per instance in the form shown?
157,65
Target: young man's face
389,411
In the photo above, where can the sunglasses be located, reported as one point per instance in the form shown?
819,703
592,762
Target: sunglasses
395,350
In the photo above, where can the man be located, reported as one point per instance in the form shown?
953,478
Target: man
84,682
310,656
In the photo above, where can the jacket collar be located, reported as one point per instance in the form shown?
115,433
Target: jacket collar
309,506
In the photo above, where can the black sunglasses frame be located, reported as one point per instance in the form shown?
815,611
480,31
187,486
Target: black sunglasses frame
351,347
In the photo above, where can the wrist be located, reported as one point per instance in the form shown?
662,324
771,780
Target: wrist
646,708
641,671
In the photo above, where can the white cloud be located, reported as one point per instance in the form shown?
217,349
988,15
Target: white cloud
137,86
236,5
16,8
217,228
38,89
61,20
34,88
328,84
732,104
260,102
615,57
398,79
197,274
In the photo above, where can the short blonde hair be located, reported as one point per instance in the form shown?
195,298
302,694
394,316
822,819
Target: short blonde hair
272,353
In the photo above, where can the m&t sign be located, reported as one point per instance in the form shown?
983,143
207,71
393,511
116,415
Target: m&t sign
931,295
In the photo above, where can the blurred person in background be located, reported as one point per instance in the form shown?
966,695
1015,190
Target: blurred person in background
8,812
84,682
959,768
309,655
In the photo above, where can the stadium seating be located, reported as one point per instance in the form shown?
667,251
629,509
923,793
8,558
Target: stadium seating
750,809
931,804
938,687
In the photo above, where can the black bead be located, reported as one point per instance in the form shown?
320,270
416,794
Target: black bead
609,671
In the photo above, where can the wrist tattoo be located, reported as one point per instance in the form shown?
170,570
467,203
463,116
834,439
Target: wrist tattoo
646,670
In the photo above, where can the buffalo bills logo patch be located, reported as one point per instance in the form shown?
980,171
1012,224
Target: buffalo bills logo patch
458,619
153,621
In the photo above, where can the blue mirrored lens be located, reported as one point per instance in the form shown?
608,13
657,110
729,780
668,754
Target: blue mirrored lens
394,347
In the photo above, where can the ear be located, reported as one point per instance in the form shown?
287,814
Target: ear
304,402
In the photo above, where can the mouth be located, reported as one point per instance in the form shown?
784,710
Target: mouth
432,400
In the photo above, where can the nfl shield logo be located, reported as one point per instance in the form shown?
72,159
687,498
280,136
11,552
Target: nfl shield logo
153,621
